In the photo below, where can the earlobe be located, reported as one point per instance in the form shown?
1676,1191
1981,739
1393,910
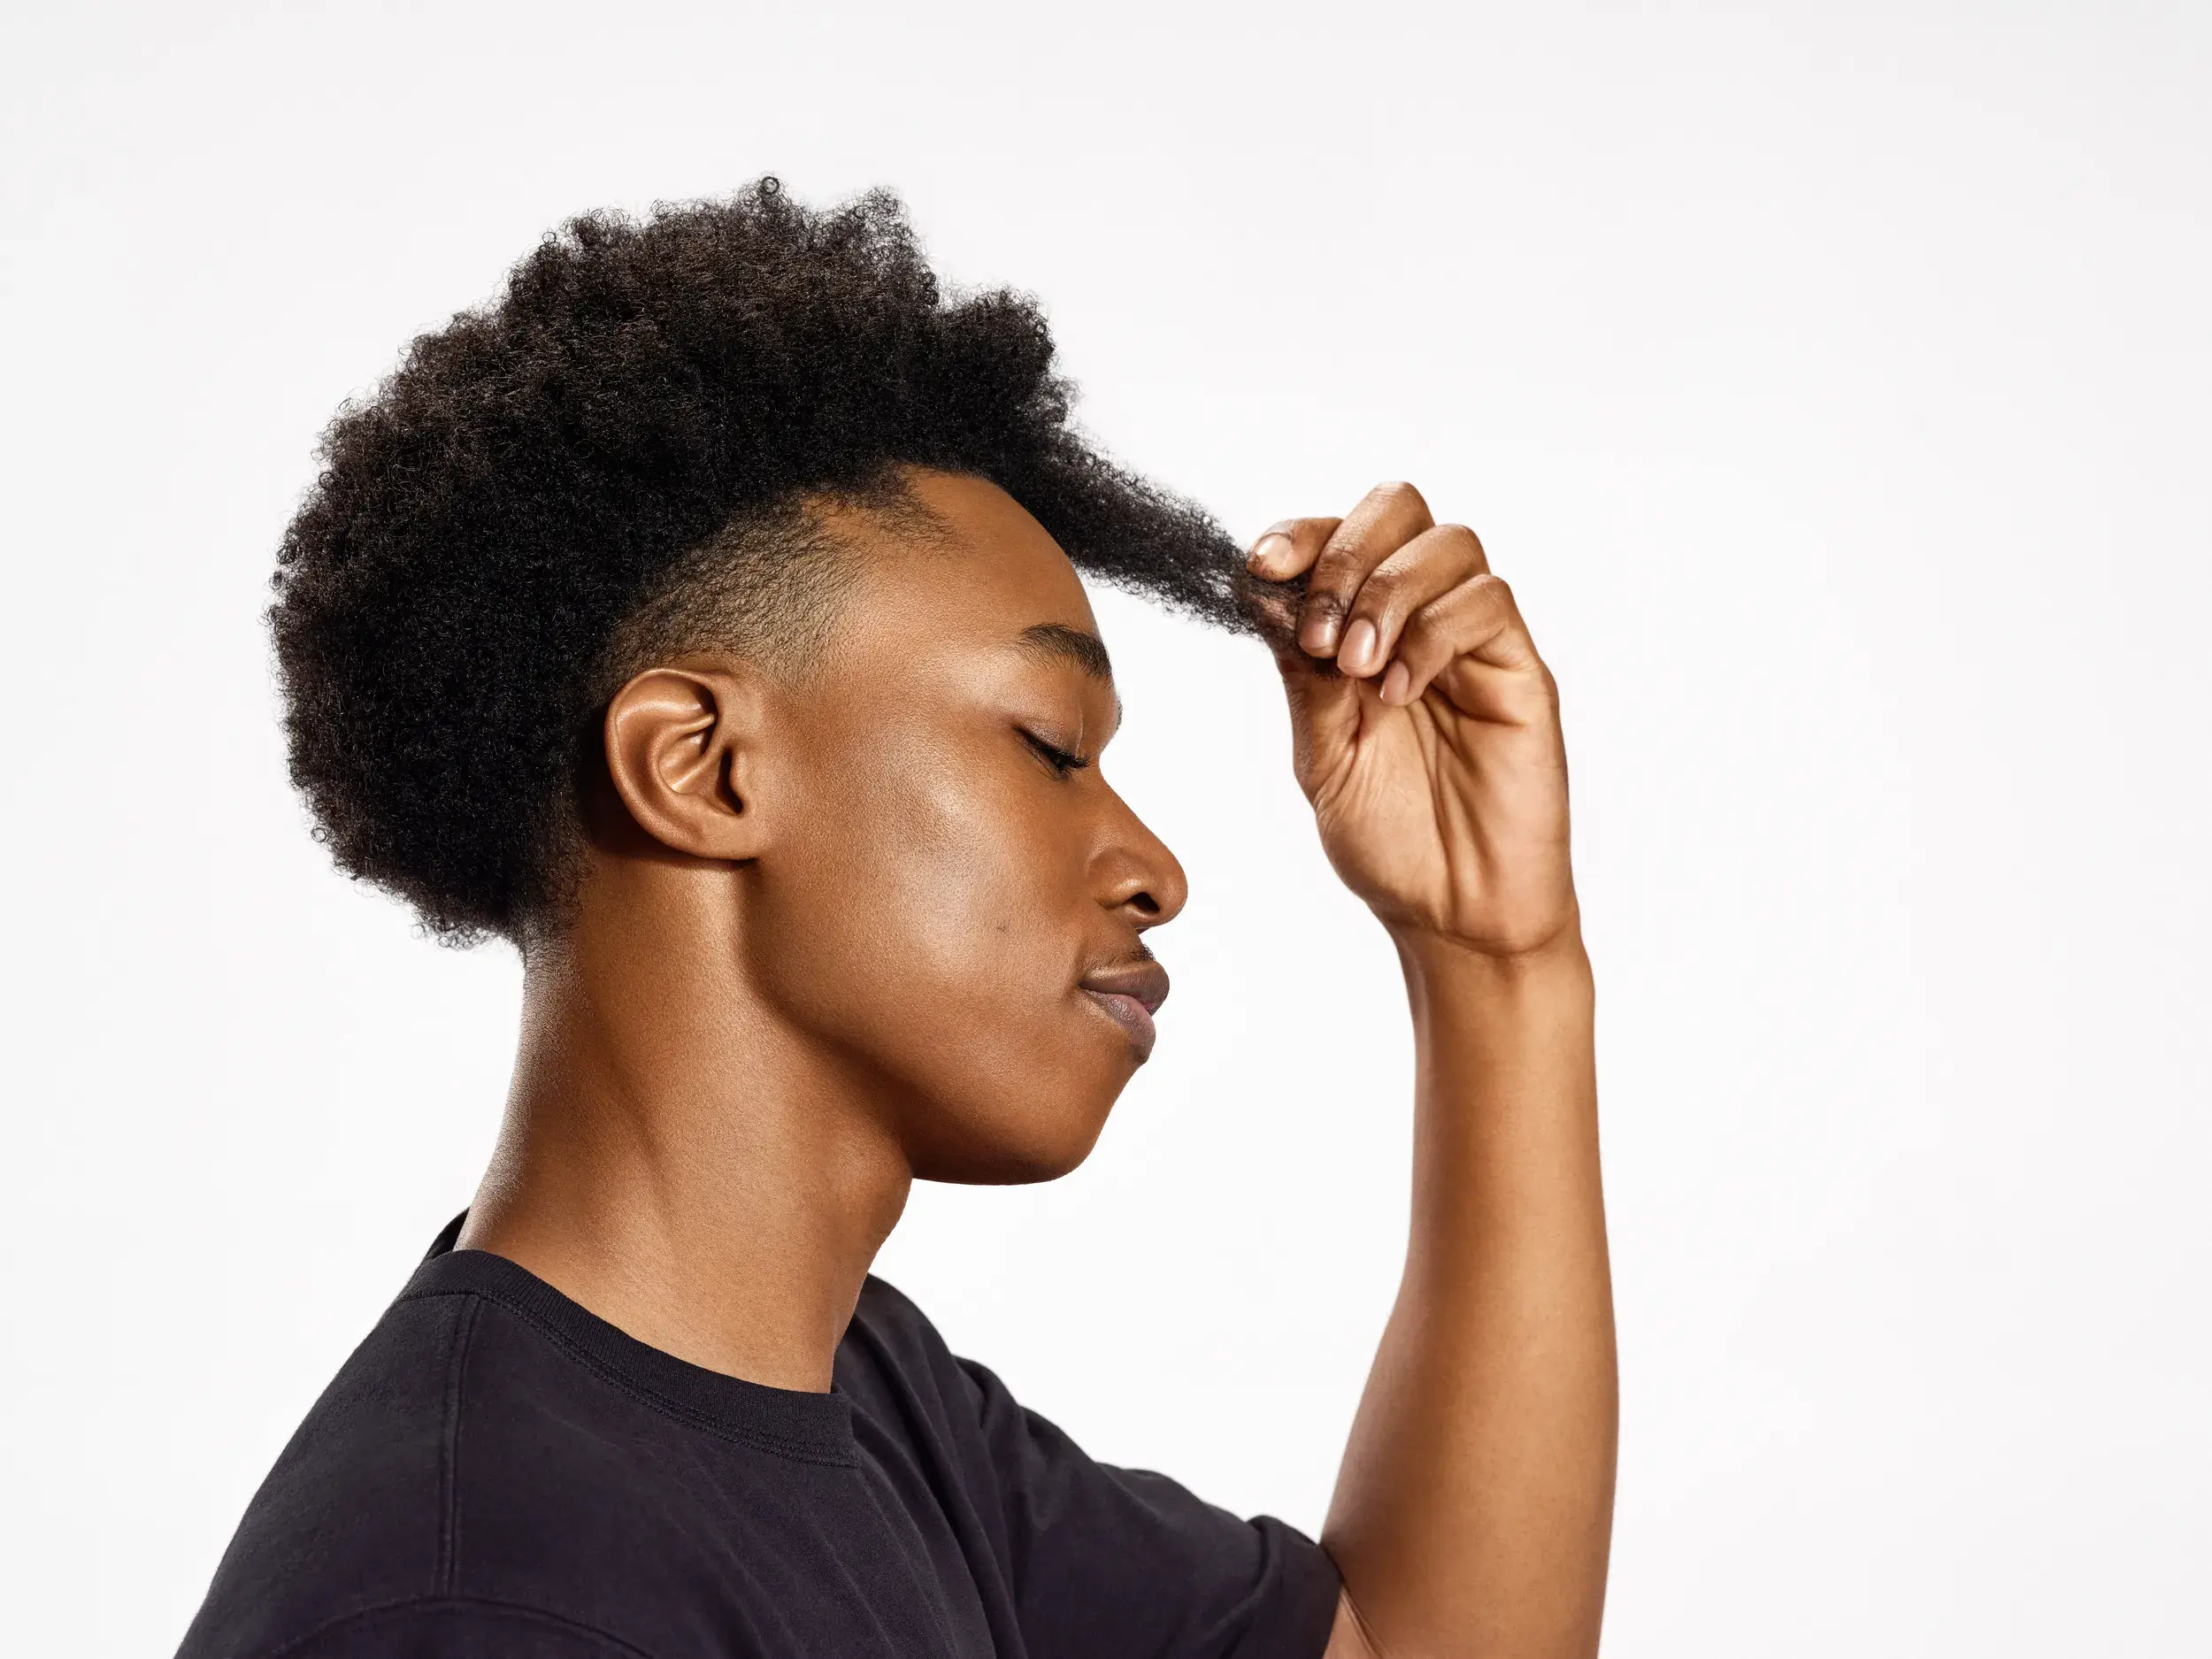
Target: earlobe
679,747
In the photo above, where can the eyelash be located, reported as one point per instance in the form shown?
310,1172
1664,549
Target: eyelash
1059,759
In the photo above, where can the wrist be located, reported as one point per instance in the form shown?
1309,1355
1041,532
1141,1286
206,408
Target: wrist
1560,959
1550,988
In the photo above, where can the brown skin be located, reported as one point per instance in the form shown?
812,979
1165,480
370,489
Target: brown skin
834,933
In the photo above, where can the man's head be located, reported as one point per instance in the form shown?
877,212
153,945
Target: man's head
724,544
636,424
905,851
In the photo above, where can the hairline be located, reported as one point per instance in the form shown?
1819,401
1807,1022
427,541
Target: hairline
770,586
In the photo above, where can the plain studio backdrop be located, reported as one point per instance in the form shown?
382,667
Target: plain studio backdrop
1831,383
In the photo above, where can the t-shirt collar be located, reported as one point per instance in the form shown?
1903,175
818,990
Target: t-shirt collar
817,1427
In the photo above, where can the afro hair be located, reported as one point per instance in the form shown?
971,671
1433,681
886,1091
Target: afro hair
490,518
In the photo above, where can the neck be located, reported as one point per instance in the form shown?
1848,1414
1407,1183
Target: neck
679,1160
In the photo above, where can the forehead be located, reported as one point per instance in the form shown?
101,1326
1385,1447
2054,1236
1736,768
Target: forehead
979,570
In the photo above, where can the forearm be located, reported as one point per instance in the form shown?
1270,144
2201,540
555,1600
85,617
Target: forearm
1473,1512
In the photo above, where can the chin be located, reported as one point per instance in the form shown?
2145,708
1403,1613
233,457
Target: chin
1019,1143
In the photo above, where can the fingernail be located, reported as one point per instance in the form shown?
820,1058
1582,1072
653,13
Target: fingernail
1318,635
1266,551
1360,641
1396,683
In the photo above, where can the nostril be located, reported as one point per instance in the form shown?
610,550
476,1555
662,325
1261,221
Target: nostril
1146,902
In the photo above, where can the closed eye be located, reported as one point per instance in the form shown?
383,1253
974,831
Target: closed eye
1057,759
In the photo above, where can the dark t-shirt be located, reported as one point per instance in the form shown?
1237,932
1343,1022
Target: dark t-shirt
497,1471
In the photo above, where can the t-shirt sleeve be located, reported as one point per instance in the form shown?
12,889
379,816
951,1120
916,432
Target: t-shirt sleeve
458,1628
1129,1563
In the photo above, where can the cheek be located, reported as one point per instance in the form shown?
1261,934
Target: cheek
934,924
950,886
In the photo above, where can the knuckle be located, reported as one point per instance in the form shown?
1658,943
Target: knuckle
1396,508
1421,639
1337,572
1462,538
1383,587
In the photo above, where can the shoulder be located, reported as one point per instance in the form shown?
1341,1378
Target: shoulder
350,1515
883,1307
910,1387
901,1375
891,1343
451,1474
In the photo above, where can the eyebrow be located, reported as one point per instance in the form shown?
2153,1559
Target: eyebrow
1086,651
1058,642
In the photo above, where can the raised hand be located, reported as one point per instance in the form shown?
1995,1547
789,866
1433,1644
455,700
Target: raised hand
1473,1508
1432,756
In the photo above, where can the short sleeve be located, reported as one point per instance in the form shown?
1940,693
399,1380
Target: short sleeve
1129,1563
458,1628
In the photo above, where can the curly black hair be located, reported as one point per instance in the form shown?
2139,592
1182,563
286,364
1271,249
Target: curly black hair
647,396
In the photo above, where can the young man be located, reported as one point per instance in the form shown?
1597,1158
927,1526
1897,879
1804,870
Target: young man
704,619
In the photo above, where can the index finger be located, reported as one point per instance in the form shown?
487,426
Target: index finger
1388,517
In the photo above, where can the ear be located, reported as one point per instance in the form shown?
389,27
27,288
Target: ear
682,748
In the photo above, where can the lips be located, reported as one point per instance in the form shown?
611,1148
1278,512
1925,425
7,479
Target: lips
1128,993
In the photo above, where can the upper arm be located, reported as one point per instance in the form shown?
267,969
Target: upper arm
1128,1561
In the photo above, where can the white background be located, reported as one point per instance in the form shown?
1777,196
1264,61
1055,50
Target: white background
1831,380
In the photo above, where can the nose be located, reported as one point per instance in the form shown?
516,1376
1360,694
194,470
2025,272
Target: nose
1138,876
